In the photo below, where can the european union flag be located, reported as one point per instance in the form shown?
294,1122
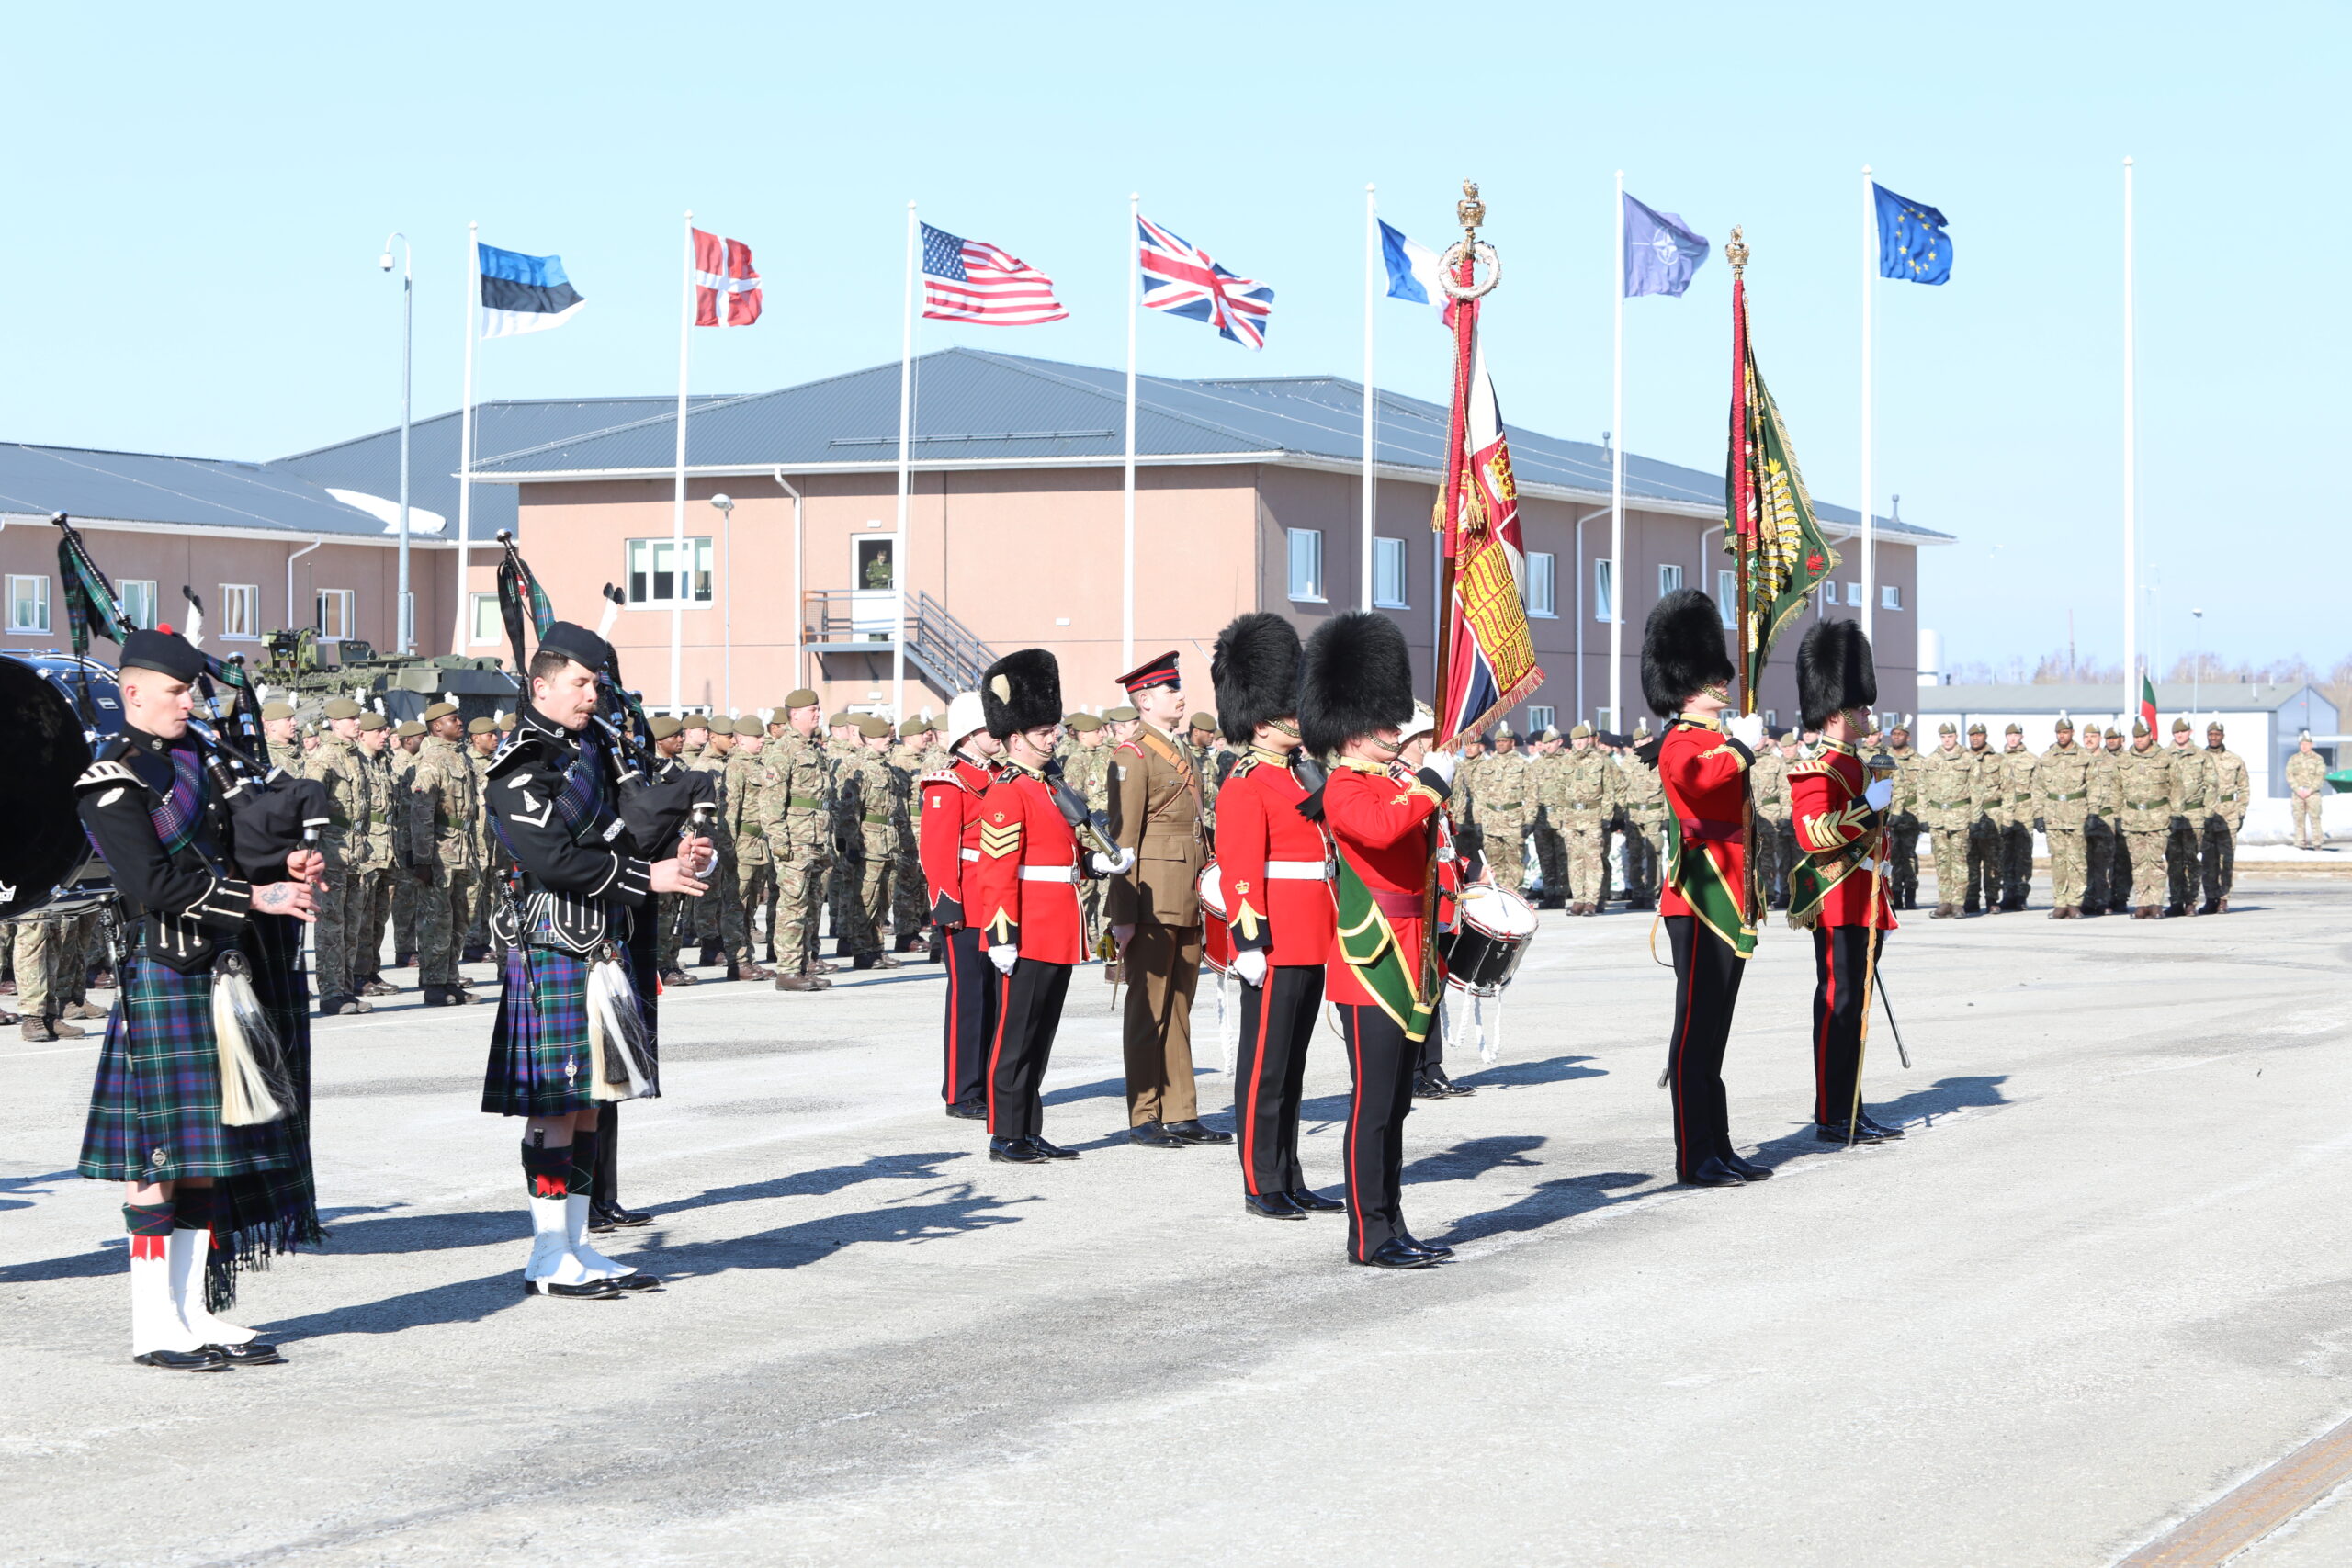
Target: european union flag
1912,243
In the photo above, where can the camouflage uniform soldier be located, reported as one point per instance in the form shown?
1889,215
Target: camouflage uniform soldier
2188,817
277,733
443,804
1947,801
2012,815
910,895
879,826
341,901
1551,848
1200,738
2061,788
1579,801
1507,804
1462,806
2231,789
408,740
37,958
2099,841
1903,821
844,905
1087,769
1643,795
379,873
2150,786
1985,790
1769,784
482,738
796,815
2306,787
744,783
719,924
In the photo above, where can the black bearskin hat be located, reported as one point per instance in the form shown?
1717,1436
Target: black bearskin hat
1835,672
1022,691
1356,677
1682,651
1255,669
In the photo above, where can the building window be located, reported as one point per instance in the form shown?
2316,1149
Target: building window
1890,596
1603,607
241,611
28,604
1387,574
138,601
338,613
1542,584
655,570
1853,593
486,625
1727,594
1540,719
1670,578
1306,564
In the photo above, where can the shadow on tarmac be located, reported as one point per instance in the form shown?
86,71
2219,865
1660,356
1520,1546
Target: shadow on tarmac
820,1183
1919,1108
1552,1069
1553,1201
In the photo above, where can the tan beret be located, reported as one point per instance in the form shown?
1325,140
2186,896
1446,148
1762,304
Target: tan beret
506,719
695,721
803,698
1083,723
412,727
1123,714
867,725
718,724
665,726
374,721
914,727
2181,726
1205,721
277,710
841,719
342,707
439,710
484,726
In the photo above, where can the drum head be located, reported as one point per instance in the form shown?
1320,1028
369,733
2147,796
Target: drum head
46,753
1499,910
1211,888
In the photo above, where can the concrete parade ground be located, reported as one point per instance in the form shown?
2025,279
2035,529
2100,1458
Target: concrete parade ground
2095,1308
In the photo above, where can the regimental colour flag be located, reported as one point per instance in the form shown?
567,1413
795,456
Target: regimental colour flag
971,280
1661,251
2147,702
1912,243
1490,665
523,294
1182,279
1412,268
1771,520
727,290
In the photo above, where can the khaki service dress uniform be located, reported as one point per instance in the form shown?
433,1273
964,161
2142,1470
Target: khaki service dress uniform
1156,811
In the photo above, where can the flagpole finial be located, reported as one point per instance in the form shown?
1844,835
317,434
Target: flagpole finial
1736,253
1470,210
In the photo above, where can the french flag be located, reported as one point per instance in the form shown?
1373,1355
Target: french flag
523,294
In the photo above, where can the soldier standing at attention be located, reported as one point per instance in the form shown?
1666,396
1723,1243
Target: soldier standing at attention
1643,795
2098,826
719,914
1551,847
1767,784
2119,865
1506,806
2188,817
744,782
694,738
443,802
378,871
1199,734
2013,816
910,902
878,828
1903,821
2224,814
1947,776
798,817
2061,788
1155,910
1087,770
1985,790
2150,787
951,851
2306,787
1579,802
673,920
277,733
1462,805
340,900
482,740
846,876
408,740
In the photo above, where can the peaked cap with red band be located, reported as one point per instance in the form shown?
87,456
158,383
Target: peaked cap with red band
1159,672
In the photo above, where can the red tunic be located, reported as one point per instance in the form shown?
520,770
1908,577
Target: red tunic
1380,823
1705,775
1828,813
1012,893
1288,915
951,834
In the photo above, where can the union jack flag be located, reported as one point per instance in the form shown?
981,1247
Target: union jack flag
1182,279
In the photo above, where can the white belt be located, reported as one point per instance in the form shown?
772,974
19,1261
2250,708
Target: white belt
1050,873
1298,871
968,854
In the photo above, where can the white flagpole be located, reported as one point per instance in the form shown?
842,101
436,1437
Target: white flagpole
1370,271
681,573
1870,344
1128,544
906,458
2131,476
465,456
1617,487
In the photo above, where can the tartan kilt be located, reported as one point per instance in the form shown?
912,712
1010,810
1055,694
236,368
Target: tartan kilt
539,1061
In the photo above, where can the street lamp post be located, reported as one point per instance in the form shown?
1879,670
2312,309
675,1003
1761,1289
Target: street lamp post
405,613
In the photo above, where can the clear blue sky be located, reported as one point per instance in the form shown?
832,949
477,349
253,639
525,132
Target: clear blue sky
197,199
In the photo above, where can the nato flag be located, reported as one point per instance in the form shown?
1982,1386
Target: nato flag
1661,251
1911,239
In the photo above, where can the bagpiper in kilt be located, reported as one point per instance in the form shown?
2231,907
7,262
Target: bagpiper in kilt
210,1131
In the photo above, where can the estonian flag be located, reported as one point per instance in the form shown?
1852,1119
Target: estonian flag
523,294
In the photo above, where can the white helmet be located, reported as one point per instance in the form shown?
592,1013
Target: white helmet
963,717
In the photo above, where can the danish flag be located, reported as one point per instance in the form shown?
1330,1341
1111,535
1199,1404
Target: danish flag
723,272
1183,280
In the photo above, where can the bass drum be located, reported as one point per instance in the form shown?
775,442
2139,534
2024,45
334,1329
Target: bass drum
1483,949
1216,937
45,858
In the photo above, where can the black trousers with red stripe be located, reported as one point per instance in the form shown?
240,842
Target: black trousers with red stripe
1429,1055
1706,989
1030,1011
1380,1062
975,995
1270,1074
1841,954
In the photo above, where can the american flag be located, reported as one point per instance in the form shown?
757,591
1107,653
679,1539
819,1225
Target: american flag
1182,280
970,280
723,276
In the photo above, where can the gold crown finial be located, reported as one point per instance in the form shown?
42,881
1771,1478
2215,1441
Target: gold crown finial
1470,210
1736,251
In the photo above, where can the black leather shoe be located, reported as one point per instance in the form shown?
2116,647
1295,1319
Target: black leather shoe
1881,1128
1052,1151
1272,1206
1748,1169
1395,1254
612,1217
1314,1202
1835,1133
1194,1132
1712,1172
1014,1151
208,1359
593,1290
1427,1088
1437,1250
253,1353
641,1280
1455,1090
969,1111
1152,1136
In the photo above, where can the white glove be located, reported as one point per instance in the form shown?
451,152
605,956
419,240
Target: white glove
1748,729
1004,955
1879,794
1250,964
1443,765
1118,865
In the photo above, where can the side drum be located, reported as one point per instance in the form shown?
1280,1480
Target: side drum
1216,938
1483,949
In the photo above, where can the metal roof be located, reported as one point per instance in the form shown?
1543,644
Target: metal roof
978,408
140,487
